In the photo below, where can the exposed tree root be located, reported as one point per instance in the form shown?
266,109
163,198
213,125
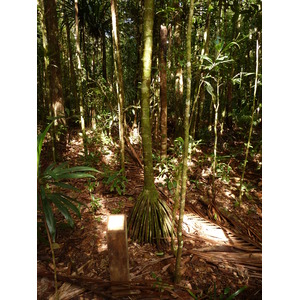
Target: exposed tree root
150,219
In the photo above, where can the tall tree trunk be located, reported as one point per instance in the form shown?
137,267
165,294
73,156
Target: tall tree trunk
145,94
150,217
163,89
251,125
103,44
45,86
81,108
186,141
179,73
197,108
72,70
55,79
119,74
235,28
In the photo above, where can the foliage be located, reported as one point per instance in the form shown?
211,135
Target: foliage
95,201
115,180
52,183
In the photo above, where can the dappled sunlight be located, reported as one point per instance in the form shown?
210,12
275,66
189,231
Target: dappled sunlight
195,224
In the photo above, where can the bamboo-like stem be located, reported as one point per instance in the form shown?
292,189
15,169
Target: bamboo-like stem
186,143
175,207
251,126
216,103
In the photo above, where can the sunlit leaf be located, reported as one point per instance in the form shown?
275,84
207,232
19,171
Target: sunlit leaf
74,176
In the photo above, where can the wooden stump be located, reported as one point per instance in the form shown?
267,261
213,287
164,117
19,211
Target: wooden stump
117,245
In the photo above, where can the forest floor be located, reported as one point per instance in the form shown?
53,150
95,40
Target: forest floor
221,254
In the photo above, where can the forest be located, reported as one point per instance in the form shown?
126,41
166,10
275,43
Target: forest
152,110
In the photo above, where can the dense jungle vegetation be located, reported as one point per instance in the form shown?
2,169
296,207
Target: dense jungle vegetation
152,109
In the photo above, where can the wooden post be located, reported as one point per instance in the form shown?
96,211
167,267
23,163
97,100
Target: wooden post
117,245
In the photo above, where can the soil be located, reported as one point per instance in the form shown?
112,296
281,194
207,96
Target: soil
222,252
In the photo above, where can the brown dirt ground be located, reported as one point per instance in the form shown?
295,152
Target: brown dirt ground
82,251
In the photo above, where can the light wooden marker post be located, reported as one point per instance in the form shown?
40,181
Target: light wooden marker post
117,245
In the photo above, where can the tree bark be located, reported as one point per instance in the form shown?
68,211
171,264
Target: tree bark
119,74
72,70
145,94
186,141
81,109
55,79
163,89
179,73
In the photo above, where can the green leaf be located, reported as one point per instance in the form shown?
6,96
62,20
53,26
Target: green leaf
205,57
63,210
119,190
236,293
67,202
226,291
59,170
48,214
192,294
66,186
210,89
74,176
40,140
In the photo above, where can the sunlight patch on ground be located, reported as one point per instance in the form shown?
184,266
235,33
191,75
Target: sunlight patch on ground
194,224
109,155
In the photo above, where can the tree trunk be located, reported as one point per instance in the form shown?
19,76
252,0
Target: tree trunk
145,94
179,74
103,44
55,79
163,89
45,84
186,141
150,218
81,109
235,28
72,70
119,74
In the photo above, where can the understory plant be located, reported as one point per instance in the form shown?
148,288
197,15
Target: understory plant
115,180
52,184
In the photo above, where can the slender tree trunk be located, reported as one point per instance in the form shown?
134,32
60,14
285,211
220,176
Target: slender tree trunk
86,66
197,115
119,74
163,89
145,94
179,73
55,78
72,70
235,28
81,108
103,44
216,104
186,141
45,85
251,126
150,217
